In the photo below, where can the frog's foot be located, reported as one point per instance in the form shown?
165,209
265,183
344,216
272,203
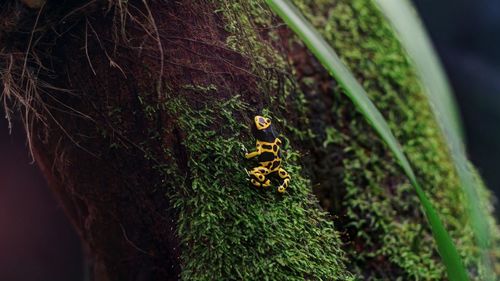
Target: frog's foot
258,177
286,180
259,184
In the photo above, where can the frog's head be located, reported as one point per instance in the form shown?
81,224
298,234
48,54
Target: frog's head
263,129
261,123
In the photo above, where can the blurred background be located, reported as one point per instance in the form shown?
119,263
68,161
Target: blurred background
466,35
37,243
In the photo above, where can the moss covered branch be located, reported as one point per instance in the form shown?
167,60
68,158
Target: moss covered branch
137,112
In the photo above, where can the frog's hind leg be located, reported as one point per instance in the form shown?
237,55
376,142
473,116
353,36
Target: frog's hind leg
258,177
286,180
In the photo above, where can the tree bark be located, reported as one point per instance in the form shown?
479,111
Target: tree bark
137,113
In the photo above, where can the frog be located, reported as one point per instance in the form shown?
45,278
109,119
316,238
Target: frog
268,153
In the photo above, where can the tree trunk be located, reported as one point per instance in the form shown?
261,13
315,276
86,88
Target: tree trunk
137,112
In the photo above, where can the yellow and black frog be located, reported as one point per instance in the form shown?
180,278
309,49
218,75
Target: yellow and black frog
269,155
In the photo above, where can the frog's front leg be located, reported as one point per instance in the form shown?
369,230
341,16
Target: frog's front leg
258,175
252,154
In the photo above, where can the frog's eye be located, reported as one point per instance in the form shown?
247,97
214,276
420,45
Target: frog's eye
268,121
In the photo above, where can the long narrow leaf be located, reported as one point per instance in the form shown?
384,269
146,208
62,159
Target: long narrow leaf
413,37
330,60
416,42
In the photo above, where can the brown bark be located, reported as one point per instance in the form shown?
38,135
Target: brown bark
112,195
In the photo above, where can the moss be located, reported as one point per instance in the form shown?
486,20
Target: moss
232,230
199,88
390,237
381,207
248,25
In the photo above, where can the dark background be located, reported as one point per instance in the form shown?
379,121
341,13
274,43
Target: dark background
37,242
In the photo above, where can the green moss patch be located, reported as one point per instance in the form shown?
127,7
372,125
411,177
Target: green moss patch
355,176
231,230
382,211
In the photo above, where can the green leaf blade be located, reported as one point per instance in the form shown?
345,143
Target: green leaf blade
413,37
416,42
331,61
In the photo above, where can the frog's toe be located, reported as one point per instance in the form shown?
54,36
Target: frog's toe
255,183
